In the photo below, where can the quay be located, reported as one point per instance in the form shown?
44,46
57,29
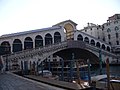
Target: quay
10,81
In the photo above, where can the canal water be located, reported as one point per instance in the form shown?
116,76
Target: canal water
114,70
95,70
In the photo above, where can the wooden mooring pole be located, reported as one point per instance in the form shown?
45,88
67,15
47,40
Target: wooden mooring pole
108,73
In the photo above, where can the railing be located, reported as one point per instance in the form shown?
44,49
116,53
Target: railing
96,49
36,51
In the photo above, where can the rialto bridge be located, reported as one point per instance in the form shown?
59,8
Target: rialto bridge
62,39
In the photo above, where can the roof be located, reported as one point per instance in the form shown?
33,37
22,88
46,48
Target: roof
65,22
30,31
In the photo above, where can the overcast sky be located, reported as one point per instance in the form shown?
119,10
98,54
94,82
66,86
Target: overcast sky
24,15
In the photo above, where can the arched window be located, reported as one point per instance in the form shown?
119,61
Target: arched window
80,37
103,38
108,48
109,42
98,44
28,43
116,28
86,39
17,45
108,30
117,35
48,39
92,42
38,41
117,42
109,37
57,37
6,49
103,46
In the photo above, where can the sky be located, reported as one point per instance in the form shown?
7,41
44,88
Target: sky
24,15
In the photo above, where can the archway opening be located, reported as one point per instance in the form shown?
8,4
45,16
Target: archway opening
57,37
17,45
5,48
69,29
38,41
28,43
48,39
80,37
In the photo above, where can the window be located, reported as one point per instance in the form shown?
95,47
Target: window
110,43
117,35
116,28
117,42
109,36
108,30
85,30
98,37
103,38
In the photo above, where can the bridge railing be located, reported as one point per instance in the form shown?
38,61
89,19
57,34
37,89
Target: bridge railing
91,47
36,51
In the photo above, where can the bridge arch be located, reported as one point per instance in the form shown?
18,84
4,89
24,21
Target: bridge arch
79,54
57,37
17,45
38,41
28,43
48,39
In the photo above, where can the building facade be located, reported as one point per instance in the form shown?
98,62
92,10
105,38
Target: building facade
108,32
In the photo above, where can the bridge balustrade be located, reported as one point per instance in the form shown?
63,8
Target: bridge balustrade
38,51
96,49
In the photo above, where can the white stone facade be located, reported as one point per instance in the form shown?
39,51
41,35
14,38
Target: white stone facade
108,32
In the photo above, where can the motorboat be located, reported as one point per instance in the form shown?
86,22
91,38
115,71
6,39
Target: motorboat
100,82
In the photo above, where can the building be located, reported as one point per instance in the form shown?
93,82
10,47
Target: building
108,32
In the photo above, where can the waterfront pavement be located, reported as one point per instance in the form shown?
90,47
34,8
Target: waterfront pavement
10,81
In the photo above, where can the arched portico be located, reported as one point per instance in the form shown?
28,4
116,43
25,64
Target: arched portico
48,39
28,43
69,31
38,41
17,45
57,37
6,48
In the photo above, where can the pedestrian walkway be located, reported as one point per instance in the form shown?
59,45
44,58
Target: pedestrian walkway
9,81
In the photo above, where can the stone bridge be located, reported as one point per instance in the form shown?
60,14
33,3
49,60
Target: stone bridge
64,50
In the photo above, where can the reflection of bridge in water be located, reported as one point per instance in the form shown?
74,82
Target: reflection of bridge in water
29,49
